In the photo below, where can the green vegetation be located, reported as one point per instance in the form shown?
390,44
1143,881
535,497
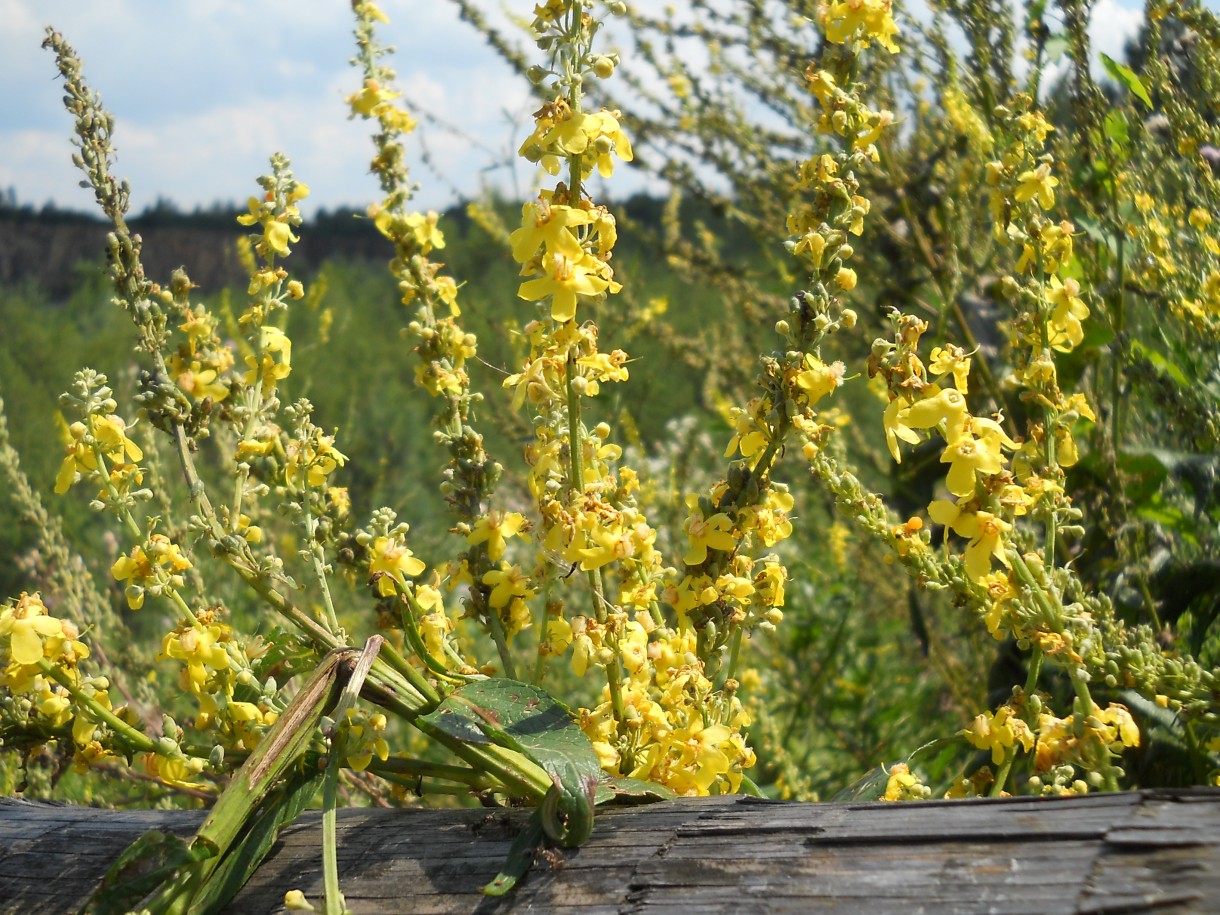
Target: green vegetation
911,489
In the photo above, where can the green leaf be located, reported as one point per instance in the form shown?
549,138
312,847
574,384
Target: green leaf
624,791
150,862
1161,362
1146,473
520,857
1127,77
1118,132
525,718
1056,47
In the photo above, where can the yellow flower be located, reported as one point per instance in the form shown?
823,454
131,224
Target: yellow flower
158,557
318,458
565,279
201,650
984,530
277,235
273,361
199,381
818,379
495,529
26,624
903,785
951,359
424,231
393,560
938,406
1125,728
969,456
707,533
177,771
547,225
894,424
108,434
366,739
1038,185
294,900
1068,310
999,732
367,101
609,136
507,583
873,18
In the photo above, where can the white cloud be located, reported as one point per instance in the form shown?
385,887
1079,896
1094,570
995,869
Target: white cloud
1112,26
205,91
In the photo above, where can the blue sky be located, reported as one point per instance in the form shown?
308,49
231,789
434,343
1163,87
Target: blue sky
204,91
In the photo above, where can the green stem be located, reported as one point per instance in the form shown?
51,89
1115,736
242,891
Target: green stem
335,904
496,626
318,561
1031,683
418,768
254,406
135,740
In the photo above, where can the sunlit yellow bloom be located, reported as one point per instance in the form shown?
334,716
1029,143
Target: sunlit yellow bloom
394,560
200,381
201,650
903,785
951,359
707,533
548,226
873,18
1067,311
158,557
26,625
274,360
495,529
564,280
984,530
109,436
939,406
1039,185
316,459
818,379
1119,717
969,456
507,583
366,101
999,732
424,230
894,424
366,738
277,234
177,771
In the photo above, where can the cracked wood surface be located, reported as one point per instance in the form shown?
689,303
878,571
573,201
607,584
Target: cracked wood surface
1105,853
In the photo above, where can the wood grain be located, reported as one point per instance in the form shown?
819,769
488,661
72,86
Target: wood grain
1107,853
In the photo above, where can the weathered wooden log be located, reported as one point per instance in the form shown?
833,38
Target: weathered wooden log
1105,853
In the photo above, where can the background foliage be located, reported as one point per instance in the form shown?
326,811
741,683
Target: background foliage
867,667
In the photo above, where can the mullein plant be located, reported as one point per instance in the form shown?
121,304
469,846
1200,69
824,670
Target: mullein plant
1092,247
571,582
